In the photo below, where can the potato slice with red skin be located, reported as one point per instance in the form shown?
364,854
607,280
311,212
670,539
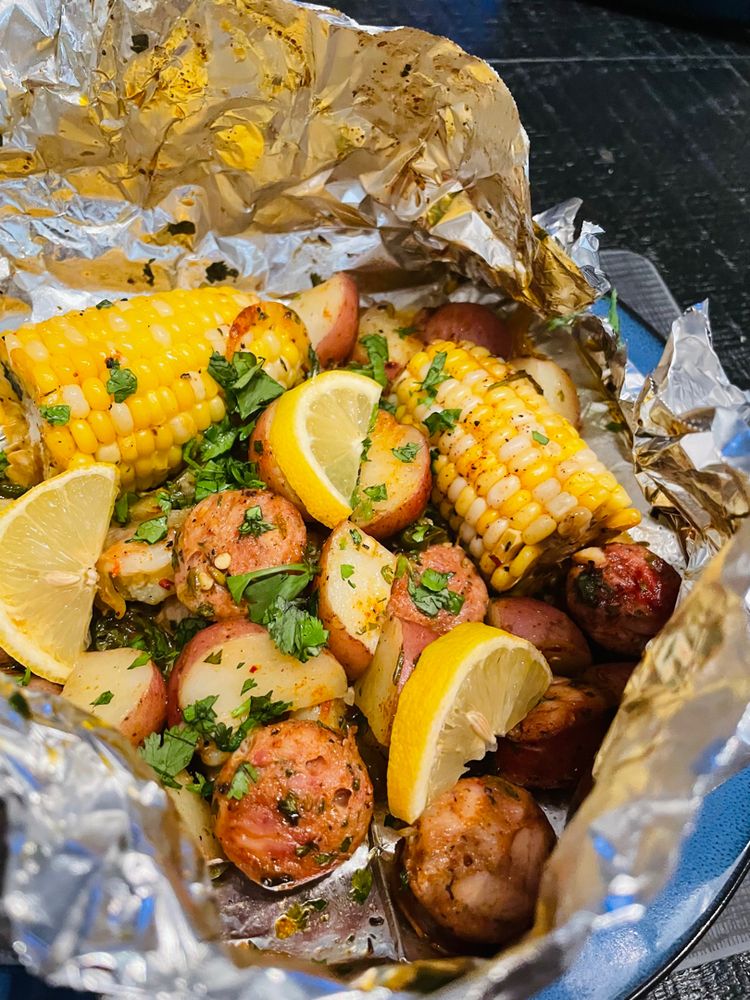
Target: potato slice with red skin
408,484
469,321
399,331
246,651
138,705
269,470
377,692
552,632
557,386
354,586
330,312
195,816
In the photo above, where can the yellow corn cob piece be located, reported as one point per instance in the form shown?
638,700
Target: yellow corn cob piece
20,464
514,479
166,341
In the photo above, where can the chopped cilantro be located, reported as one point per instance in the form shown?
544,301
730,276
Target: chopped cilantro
441,420
314,362
170,752
214,657
406,453
315,279
253,523
103,699
152,531
356,536
346,571
289,808
140,661
122,507
388,573
377,355
294,630
244,776
24,681
249,683
431,595
539,438
376,493
247,387
202,786
138,630
121,382
387,405
104,304
435,375
297,917
422,534
361,885
304,849
262,587
406,331
58,416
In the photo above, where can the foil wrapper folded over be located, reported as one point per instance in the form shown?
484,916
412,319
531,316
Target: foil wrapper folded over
148,145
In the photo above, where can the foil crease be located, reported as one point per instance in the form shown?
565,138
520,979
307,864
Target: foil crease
148,145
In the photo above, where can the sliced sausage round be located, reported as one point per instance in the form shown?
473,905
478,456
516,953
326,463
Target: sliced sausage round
301,805
410,602
229,533
475,860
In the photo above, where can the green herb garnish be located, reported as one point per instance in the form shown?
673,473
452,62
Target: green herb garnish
406,453
121,382
441,420
151,531
57,416
253,523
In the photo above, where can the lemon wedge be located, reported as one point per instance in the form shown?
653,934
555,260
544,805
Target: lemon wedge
316,438
50,540
469,686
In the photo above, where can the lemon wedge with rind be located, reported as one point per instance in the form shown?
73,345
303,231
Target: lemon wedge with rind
316,437
469,686
50,540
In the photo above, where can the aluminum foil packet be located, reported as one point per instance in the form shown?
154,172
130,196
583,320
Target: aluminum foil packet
148,145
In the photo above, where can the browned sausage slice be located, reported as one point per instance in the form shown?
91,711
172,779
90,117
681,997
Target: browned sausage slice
475,860
622,595
558,739
307,805
234,532
463,580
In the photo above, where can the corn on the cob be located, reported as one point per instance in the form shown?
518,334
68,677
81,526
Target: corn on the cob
166,341
513,478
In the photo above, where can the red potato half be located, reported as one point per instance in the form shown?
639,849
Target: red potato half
557,386
552,632
138,705
246,651
354,586
469,321
376,694
407,484
330,312
400,334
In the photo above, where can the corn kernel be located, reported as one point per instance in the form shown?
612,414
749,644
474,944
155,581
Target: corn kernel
46,379
83,436
623,520
525,515
81,461
519,500
140,412
539,529
127,476
217,409
108,453
174,457
102,426
61,445
524,561
72,396
164,438
486,520
96,395
144,444
128,449
202,415
184,394
464,501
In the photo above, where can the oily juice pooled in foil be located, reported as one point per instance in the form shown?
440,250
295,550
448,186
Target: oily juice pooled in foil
152,145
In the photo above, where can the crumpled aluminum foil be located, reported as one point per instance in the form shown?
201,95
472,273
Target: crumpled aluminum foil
159,143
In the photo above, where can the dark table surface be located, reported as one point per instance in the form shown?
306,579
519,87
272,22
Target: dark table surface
647,121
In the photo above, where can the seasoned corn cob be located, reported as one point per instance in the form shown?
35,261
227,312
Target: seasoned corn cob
513,478
165,341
